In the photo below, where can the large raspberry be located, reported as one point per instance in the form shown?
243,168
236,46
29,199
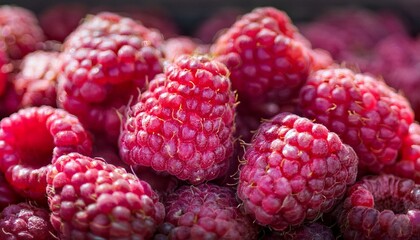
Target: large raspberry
264,52
294,171
382,207
206,211
36,81
90,199
25,222
366,114
183,124
20,31
106,60
33,138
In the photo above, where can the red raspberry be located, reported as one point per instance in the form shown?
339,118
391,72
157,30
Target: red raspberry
366,114
206,211
90,199
36,81
25,222
264,52
382,207
183,124
106,60
310,231
20,31
59,20
8,196
33,138
294,171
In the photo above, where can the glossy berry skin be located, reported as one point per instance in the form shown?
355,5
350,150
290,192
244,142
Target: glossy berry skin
183,124
366,113
294,171
25,222
267,59
381,207
106,61
32,139
90,199
206,211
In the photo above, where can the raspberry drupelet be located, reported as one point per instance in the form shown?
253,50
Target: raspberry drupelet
32,139
91,199
294,171
106,61
183,123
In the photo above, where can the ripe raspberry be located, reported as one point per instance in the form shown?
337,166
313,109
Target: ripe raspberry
19,30
90,199
263,50
206,211
59,20
382,207
366,114
183,124
33,138
311,231
36,81
106,60
294,171
7,195
24,222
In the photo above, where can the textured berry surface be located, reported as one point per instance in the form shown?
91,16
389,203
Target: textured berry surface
106,60
37,79
205,211
19,30
382,207
25,222
264,53
366,114
294,170
8,196
90,199
33,138
183,123
310,231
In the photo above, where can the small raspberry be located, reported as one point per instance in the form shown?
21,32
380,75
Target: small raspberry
265,54
90,199
33,138
25,222
106,60
310,231
366,114
206,211
20,31
294,171
381,207
8,196
184,123
36,81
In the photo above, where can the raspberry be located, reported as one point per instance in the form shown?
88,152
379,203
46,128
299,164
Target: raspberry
24,222
59,20
19,30
311,231
183,124
33,138
106,60
7,195
263,50
37,79
206,211
382,207
294,171
366,114
90,199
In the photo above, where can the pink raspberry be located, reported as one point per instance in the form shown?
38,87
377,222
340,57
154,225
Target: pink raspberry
183,123
32,139
294,171
90,199
366,113
381,207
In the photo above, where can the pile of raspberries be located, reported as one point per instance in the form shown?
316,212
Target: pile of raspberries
116,126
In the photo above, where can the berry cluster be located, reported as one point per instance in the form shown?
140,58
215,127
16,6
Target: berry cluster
113,125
